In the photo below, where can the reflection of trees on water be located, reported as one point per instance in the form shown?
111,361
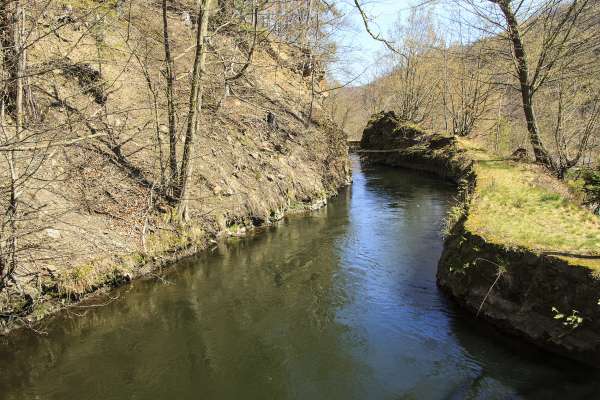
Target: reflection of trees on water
233,323
413,207
301,311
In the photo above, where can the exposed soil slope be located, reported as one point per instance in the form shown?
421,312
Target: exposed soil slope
103,222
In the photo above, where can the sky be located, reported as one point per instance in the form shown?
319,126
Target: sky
359,53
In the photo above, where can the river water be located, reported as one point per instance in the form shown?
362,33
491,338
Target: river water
339,304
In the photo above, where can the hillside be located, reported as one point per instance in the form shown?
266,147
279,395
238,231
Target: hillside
97,214
452,83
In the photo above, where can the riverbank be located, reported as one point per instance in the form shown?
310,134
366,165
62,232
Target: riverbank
74,284
348,307
98,212
520,252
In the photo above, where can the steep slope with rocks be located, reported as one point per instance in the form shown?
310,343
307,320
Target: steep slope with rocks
265,148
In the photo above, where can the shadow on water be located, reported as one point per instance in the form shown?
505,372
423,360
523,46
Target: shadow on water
529,372
338,304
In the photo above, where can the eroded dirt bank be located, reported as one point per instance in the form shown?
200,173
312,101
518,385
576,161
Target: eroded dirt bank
547,299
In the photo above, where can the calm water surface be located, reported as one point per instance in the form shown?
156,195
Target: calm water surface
340,304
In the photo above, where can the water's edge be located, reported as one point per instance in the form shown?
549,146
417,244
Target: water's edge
515,290
341,303
152,268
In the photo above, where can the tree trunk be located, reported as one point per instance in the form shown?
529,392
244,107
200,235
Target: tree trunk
541,154
170,78
20,68
9,27
194,106
16,26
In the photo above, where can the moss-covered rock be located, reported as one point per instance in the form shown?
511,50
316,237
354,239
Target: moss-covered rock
386,131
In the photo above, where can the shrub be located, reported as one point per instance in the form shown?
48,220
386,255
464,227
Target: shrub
591,187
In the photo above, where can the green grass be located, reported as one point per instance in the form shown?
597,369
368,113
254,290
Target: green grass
519,205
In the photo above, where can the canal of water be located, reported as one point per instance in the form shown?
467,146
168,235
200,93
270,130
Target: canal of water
339,304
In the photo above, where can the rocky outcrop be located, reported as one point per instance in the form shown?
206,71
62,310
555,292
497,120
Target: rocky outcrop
546,299
388,141
385,131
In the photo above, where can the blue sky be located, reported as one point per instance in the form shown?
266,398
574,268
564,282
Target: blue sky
359,52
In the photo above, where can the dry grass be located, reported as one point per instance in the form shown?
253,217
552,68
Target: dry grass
99,208
518,205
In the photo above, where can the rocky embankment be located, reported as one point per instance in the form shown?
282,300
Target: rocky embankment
549,298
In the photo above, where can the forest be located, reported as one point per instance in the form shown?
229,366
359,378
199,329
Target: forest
520,75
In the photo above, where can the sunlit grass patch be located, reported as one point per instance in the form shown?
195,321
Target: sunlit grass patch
518,205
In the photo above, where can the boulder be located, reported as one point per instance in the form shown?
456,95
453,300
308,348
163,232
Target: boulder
385,131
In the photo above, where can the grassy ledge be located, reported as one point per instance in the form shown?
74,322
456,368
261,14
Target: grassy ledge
513,204
518,205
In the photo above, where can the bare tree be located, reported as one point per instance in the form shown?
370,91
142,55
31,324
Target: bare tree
577,119
542,36
195,103
170,79
13,30
466,89
376,36
412,84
